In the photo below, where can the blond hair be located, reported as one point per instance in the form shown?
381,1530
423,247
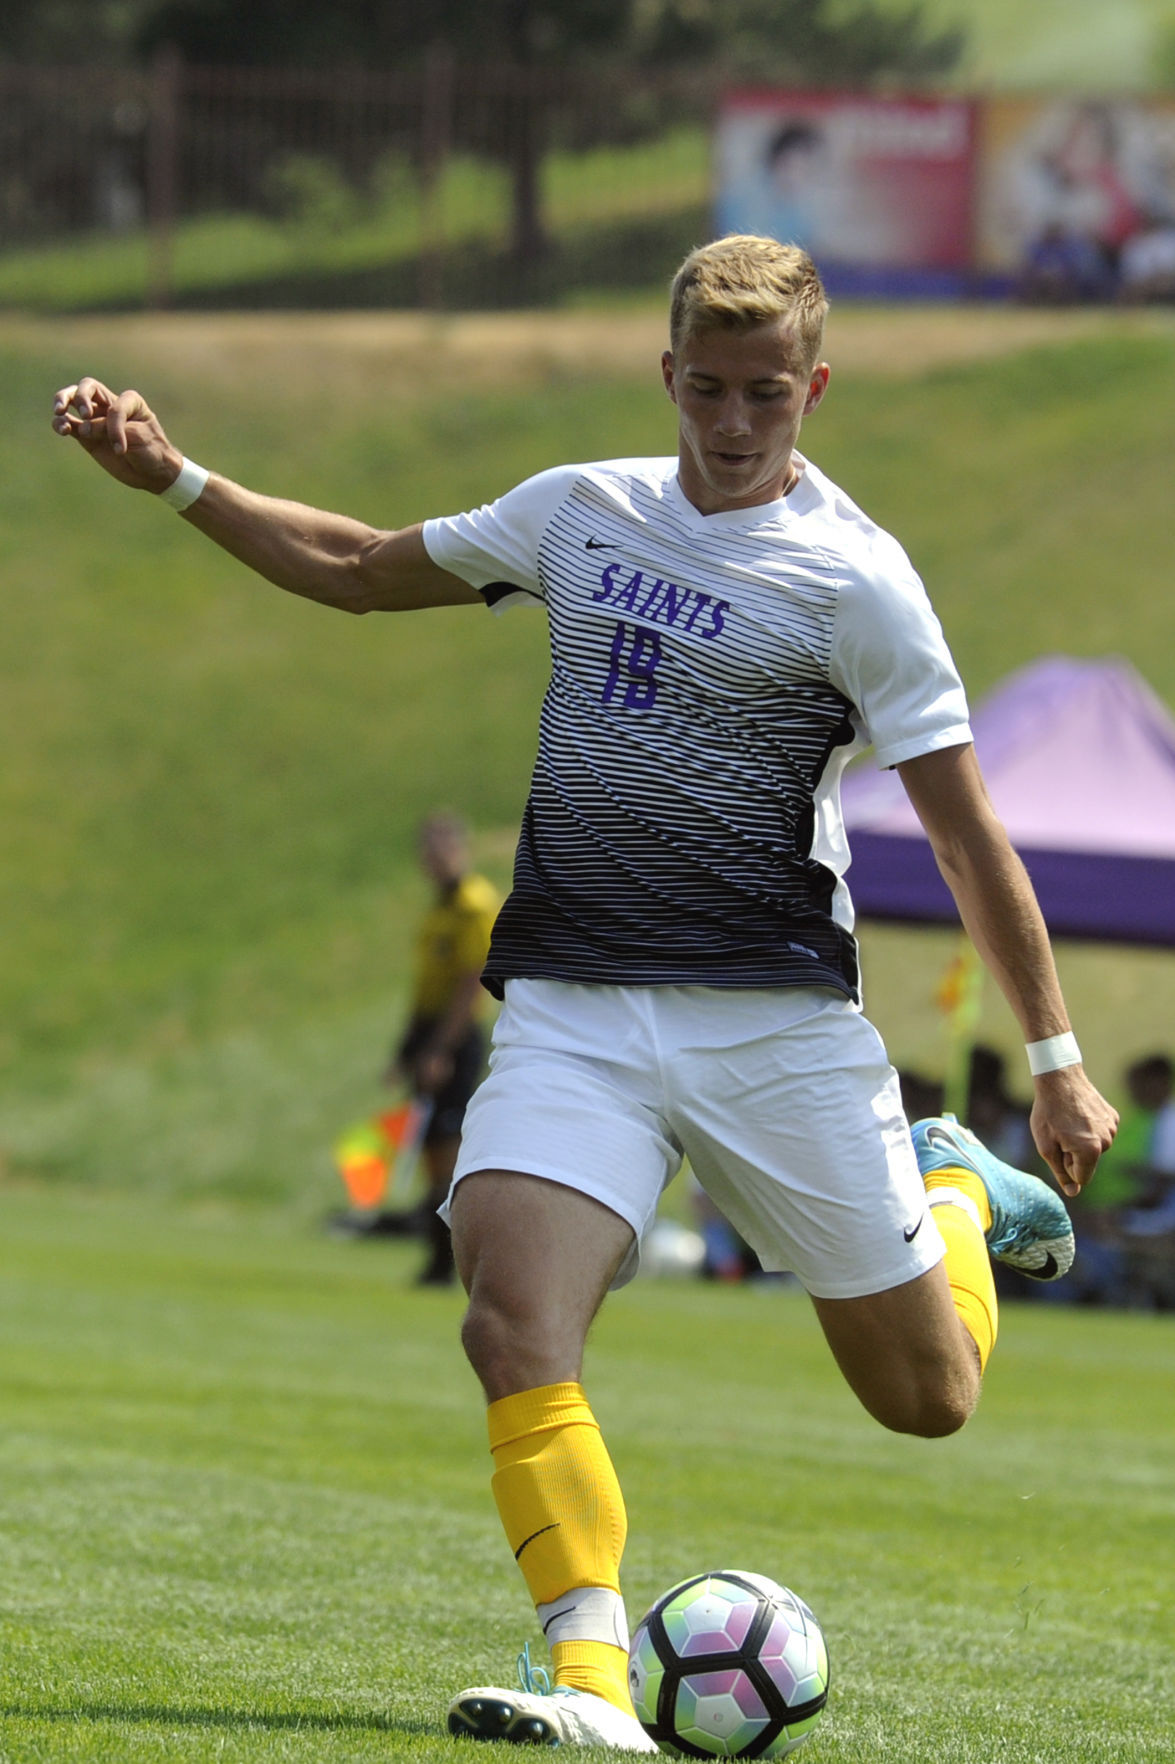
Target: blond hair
745,280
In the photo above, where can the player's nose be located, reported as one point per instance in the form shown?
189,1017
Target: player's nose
733,418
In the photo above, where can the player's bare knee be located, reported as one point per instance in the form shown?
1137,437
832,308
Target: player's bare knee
487,1337
510,1350
932,1405
940,1416
938,1409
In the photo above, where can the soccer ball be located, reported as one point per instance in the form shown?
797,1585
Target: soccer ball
728,1665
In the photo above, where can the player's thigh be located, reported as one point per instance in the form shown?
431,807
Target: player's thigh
791,1116
905,1353
542,1249
573,1097
537,1259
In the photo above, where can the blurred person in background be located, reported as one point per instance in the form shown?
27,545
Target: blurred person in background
1146,264
1122,1222
1062,268
993,1112
1147,1219
441,1053
439,1057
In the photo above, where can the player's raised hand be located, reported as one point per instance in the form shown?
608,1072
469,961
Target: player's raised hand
1072,1124
120,431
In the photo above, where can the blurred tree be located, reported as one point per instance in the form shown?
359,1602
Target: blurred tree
826,42
821,42
816,42
70,31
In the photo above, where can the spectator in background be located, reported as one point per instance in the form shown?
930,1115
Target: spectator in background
1062,268
1146,263
1116,1225
728,1256
1148,1124
921,1096
994,1113
1148,1226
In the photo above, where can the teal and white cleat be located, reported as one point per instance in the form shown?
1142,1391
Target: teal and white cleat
536,1715
1030,1229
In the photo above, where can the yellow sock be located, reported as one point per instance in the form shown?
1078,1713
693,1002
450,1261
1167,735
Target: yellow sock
962,1220
594,1666
563,1514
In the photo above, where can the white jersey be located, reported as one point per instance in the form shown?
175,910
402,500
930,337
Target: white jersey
710,677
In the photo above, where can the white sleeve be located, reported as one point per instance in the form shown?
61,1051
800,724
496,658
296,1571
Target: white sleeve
891,661
496,547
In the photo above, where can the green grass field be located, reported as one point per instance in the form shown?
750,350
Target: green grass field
247,1514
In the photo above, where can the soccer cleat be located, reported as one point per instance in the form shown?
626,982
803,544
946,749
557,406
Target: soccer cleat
1030,1229
534,1716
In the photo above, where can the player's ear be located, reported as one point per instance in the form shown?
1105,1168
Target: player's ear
667,374
817,386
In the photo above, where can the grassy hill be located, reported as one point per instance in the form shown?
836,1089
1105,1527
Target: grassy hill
209,788
1062,45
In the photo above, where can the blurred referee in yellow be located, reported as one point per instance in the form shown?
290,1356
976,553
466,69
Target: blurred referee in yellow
441,1054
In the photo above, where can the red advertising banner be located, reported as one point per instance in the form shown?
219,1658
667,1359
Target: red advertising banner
878,189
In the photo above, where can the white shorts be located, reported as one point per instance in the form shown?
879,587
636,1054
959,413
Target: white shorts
783,1100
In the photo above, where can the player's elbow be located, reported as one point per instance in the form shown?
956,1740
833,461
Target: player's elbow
369,584
358,585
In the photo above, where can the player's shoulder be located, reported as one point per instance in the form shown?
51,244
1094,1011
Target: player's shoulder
607,481
862,551
617,480
646,469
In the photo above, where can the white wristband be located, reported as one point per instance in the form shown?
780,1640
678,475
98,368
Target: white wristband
1051,1055
184,490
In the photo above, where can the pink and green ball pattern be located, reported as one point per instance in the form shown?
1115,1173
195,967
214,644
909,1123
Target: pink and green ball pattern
728,1665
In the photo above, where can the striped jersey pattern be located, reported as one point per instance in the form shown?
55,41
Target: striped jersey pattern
682,825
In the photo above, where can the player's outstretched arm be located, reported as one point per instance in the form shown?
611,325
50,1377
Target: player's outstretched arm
1071,1122
326,557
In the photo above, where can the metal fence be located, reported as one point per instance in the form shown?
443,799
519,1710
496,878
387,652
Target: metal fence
448,186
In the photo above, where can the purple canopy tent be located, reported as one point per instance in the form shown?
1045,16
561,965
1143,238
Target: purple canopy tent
1079,757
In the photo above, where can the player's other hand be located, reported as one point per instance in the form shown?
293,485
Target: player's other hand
1072,1124
120,432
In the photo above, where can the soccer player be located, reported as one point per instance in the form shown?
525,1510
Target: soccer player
676,957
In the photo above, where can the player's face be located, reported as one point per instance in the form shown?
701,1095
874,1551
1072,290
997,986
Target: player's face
741,397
